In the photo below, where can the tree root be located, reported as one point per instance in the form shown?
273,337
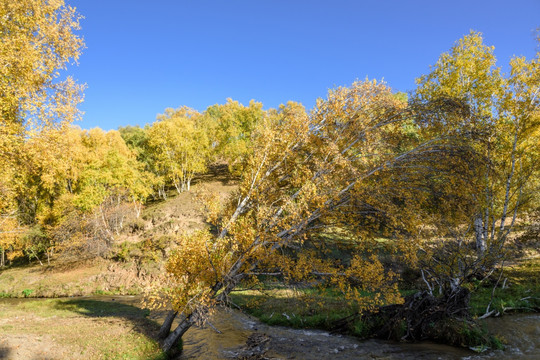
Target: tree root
422,316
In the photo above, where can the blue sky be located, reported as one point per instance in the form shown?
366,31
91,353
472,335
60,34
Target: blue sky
145,56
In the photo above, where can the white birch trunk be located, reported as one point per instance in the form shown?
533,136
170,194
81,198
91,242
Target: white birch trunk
479,233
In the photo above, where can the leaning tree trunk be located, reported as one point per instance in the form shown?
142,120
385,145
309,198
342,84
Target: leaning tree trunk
165,329
173,338
186,321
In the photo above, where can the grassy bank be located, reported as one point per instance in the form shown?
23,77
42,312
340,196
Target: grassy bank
305,308
134,258
300,308
75,329
517,290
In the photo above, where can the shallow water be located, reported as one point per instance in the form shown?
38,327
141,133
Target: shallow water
521,334
286,343
244,336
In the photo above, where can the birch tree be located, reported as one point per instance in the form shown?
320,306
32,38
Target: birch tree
508,124
232,127
38,38
179,146
339,164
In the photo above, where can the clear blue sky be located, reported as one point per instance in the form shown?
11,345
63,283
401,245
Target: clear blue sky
145,56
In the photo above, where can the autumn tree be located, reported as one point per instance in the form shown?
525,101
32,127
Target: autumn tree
77,184
338,165
231,128
38,39
110,187
136,138
507,133
179,147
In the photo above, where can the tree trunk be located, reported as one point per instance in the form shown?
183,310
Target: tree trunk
166,327
162,193
179,188
455,284
138,208
479,232
173,337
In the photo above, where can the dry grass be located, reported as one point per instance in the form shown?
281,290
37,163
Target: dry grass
99,276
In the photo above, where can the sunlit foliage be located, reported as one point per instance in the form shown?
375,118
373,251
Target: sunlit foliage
231,128
505,134
38,40
179,147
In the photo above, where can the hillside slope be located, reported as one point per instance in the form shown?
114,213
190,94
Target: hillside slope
135,258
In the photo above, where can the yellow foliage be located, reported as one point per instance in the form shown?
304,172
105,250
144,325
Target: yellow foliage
304,171
38,39
179,146
486,193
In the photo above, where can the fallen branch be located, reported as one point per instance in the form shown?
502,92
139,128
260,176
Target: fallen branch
213,327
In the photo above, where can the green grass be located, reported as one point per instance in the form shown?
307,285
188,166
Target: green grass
306,308
521,292
300,308
84,329
69,279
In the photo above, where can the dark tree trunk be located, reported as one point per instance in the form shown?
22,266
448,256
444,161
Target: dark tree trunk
173,337
165,329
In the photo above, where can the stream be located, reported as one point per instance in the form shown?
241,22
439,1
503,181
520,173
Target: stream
285,343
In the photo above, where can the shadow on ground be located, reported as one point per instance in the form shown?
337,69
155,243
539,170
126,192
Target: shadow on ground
4,352
217,172
106,309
